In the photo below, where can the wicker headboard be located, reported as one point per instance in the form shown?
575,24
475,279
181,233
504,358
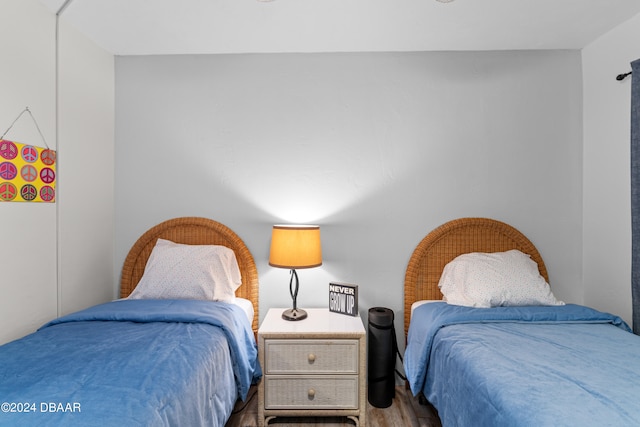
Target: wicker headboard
455,238
192,231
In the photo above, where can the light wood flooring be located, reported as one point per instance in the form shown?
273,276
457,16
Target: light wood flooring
404,411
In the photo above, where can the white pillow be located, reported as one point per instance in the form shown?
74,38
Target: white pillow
495,279
177,271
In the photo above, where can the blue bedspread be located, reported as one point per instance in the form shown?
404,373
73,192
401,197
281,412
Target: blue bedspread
131,362
525,366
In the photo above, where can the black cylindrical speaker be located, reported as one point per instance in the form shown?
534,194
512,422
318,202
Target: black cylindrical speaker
381,357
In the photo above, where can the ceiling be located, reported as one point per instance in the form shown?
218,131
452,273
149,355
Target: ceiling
143,27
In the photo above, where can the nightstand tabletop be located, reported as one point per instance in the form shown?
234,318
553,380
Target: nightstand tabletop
319,320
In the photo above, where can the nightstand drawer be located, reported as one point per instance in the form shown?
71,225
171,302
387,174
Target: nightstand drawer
311,356
312,392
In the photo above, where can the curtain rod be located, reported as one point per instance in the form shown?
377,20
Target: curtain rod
623,76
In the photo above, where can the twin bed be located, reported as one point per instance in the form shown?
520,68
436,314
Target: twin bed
523,364
159,359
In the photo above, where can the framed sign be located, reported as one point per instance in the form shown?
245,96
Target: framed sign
343,298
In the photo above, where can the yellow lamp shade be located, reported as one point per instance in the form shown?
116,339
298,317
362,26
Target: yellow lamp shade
295,246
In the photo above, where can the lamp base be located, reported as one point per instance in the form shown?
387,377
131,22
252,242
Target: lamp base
294,314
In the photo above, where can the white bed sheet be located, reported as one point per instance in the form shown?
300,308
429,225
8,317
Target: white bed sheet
419,303
246,306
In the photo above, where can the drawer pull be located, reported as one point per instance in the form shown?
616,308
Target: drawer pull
311,357
311,393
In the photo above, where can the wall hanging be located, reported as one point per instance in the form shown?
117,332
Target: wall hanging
27,172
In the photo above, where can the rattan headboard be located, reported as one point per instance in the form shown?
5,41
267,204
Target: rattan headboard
455,238
192,231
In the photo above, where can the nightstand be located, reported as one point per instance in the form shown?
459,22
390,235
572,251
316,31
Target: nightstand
312,367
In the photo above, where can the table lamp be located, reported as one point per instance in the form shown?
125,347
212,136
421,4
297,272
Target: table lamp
295,246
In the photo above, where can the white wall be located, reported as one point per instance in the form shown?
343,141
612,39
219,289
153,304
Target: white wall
87,128
378,149
607,209
28,249
29,255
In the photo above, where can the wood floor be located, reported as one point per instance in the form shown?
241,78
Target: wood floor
404,411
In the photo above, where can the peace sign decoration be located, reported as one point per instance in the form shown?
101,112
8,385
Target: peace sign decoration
27,173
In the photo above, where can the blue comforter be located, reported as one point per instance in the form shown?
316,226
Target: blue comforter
131,362
524,366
